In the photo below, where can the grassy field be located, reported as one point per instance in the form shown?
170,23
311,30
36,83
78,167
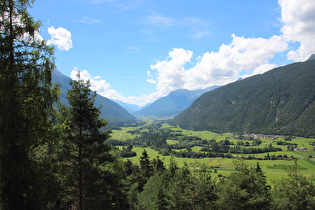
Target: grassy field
273,169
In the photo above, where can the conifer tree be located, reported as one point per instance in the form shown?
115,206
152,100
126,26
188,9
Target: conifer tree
26,63
84,153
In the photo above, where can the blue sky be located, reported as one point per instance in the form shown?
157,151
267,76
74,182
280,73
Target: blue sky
137,51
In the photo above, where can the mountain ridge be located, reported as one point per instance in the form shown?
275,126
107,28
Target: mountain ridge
280,101
172,104
110,110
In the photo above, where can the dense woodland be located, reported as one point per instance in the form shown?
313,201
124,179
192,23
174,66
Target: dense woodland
280,101
54,156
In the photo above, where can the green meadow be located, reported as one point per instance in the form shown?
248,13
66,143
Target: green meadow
273,169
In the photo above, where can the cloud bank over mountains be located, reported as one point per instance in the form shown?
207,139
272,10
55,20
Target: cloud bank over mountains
243,57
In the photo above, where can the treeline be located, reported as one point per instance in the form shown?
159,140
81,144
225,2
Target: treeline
152,185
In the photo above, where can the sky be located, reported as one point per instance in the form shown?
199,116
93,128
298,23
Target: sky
137,51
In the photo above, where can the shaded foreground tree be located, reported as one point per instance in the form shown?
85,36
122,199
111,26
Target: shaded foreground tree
26,99
87,184
245,189
294,191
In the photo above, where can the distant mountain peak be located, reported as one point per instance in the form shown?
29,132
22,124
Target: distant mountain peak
172,104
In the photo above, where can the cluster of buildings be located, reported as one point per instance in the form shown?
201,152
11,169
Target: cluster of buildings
302,148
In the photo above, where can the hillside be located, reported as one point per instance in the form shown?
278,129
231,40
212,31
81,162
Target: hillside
111,111
172,104
281,101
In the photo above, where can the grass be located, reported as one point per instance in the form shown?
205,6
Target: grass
170,142
225,166
123,133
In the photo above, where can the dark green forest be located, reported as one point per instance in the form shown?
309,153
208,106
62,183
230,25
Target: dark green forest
280,101
54,156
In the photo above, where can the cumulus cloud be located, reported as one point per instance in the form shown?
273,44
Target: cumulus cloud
97,84
243,56
298,17
260,70
249,55
60,37
171,72
104,89
226,65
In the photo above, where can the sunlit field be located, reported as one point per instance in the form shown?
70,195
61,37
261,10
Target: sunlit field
273,169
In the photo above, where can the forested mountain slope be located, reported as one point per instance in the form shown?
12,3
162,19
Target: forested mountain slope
281,101
111,111
172,104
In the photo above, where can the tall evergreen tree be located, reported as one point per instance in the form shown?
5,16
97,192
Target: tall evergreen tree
245,189
294,191
84,153
25,100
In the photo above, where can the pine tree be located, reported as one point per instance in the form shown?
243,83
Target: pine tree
245,189
294,191
83,150
26,98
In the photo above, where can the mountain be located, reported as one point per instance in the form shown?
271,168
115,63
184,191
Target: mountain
129,107
172,104
111,111
312,57
280,101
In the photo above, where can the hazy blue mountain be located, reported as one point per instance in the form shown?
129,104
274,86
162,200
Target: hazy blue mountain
280,101
129,107
172,104
111,111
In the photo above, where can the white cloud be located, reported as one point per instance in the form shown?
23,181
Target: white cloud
171,73
60,37
97,84
104,89
152,81
243,55
260,70
198,27
226,65
298,17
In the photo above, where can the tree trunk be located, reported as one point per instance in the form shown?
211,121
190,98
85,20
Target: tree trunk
80,170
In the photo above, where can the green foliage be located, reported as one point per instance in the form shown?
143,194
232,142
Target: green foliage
245,189
83,154
294,191
26,98
280,101
110,110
